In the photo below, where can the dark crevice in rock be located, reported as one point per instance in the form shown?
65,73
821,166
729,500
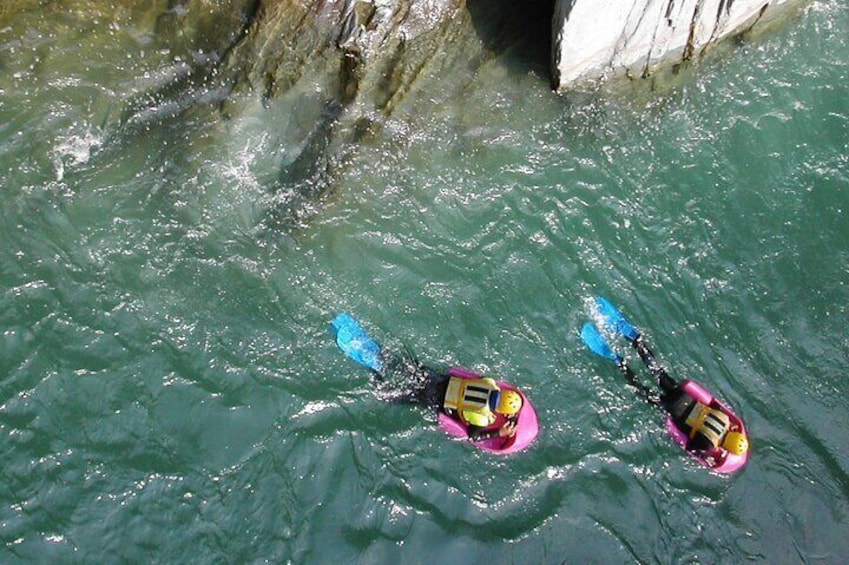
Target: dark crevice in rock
690,47
252,15
503,24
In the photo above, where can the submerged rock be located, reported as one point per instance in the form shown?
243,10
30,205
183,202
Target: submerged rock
349,65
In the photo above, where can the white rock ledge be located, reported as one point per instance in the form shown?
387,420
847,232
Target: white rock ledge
596,39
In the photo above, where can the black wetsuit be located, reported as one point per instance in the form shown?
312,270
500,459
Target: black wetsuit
676,401
408,380
679,403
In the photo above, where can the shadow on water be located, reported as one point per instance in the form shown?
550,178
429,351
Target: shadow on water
308,177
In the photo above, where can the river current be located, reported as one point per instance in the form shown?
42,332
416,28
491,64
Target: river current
170,391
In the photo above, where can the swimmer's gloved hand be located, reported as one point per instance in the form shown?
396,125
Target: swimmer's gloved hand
508,429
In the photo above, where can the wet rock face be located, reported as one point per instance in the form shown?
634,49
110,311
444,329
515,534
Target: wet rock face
363,50
596,39
372,53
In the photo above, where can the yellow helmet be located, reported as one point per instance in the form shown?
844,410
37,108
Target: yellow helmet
736,443
509,403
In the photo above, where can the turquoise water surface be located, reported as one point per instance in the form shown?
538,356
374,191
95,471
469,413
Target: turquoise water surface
170,391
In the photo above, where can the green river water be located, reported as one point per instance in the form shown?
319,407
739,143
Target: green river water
170,391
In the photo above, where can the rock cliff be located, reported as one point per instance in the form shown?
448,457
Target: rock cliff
370,54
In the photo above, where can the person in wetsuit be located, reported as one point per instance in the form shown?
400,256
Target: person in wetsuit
706,427
478,403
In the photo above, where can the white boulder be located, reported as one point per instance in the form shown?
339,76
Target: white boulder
594,39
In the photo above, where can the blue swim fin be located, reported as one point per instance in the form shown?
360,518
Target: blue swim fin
614,320
597,343
354,342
